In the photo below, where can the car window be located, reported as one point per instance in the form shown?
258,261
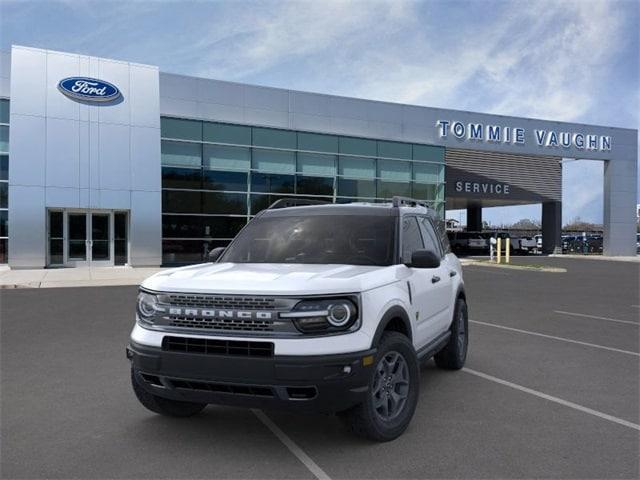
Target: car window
431,241
441,230
411,238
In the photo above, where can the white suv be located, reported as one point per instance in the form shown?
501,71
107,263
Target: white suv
324,308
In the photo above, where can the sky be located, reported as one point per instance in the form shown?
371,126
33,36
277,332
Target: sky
558,60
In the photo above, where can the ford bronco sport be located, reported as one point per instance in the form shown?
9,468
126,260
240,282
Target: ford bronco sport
324,308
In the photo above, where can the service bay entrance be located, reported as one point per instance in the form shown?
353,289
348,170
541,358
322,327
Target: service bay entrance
82,238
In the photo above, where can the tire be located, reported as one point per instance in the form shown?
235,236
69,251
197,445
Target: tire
454,353
397,363
164,406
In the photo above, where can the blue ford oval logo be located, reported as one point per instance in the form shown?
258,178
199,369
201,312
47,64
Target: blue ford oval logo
89,89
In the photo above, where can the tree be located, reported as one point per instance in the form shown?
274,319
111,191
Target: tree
526,224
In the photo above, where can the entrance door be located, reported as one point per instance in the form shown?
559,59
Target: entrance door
100,242
87,238
77,240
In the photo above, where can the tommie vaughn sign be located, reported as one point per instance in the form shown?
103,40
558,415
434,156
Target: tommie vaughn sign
88,89
478,132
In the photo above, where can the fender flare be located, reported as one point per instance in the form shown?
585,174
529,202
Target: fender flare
394,312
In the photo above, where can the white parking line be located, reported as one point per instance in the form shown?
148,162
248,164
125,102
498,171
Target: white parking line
292,446
560,401
608,319
563,339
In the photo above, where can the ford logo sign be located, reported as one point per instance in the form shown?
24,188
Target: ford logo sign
89,89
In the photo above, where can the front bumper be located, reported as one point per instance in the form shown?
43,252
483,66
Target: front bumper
327,383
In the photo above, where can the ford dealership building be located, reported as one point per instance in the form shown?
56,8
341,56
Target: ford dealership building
106,162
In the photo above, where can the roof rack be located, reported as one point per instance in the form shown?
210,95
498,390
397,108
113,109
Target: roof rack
295,202
409,202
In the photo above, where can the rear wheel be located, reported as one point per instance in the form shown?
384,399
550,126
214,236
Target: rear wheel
454,354
164,406
393,392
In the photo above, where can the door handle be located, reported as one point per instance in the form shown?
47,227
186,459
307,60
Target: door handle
453,273
435,279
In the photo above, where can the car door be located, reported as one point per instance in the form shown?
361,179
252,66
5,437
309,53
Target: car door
422,284
442,292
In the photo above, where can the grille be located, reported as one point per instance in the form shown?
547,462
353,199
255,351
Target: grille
217,347
222,302
223,388
225,324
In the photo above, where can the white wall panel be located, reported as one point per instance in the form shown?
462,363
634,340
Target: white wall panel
27,141
118,74
63,153
144,97
62,197
146,228
115,199
223,93
59,66
145,155
266,98
115,156
28,227
28,81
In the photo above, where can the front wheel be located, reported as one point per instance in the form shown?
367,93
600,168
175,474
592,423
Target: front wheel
393,392
454,354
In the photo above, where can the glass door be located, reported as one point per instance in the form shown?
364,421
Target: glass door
77,239
100,242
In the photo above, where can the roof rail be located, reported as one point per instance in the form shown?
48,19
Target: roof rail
409,202
295,202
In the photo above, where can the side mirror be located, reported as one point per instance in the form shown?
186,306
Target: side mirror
424,259
215,254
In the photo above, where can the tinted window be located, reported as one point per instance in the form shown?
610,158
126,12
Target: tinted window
216,180
181,178
431,241
272,183
4,167
316,239
441,230
411,238
314,185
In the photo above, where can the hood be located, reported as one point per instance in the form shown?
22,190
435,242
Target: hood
272,279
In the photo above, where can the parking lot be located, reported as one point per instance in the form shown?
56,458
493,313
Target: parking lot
551,389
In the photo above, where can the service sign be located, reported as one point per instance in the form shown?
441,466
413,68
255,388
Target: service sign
88,89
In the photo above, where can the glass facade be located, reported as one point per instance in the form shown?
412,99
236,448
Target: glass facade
4,180
216,176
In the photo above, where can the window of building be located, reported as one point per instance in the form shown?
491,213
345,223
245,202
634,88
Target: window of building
181,154
227,158
356,167
274,138
4,180
316,164
274,161
180,129
394,150
218,175
190,178
217,180
358,146
317,142
272,183
314,185
225,133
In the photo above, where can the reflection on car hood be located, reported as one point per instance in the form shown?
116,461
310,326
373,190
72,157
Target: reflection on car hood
274,279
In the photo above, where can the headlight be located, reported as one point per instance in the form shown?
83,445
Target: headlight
327,315
147,306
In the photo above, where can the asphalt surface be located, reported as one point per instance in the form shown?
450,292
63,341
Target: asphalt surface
558,397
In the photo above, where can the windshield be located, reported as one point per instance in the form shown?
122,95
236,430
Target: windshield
342,239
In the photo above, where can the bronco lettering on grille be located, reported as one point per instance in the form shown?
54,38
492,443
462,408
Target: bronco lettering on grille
212,313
